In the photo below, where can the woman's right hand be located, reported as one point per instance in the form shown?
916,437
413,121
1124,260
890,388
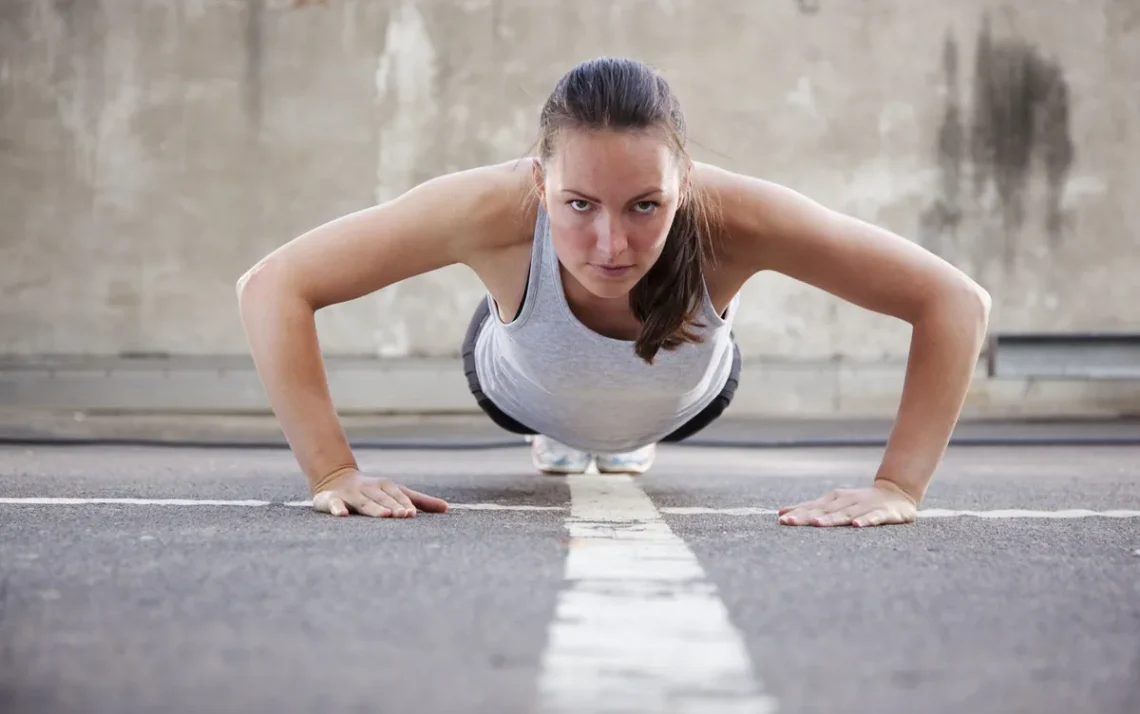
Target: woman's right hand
376,497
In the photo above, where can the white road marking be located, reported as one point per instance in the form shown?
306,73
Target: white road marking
639,627
466,506
922,513
129,502
704,511
1019,513
668,510
502,507
57,501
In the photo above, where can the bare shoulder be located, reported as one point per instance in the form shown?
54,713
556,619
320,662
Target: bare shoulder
769,227
751,211
464,217
764,224
506,207
492,207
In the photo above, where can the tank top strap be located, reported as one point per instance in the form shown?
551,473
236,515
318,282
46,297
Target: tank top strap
538,283
543,282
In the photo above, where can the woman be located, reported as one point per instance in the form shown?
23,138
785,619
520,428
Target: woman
613,265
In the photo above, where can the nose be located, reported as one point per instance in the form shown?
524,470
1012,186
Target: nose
611,238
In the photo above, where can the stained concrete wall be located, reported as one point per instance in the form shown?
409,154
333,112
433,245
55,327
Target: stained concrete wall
152,150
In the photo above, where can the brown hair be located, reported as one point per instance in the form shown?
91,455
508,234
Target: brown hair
624,94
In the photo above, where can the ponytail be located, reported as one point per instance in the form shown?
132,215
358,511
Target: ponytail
669,297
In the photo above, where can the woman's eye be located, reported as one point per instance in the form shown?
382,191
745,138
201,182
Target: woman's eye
579,205
646,206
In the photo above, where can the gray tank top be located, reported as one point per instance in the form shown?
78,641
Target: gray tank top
550,372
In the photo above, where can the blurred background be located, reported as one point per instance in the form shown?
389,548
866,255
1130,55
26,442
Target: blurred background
152,150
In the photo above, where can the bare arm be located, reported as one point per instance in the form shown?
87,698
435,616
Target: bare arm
775,228
444,221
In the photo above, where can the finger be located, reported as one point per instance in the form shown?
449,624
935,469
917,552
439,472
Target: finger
816,515
817,503
366,506
849,500
381,496
404,507
425,502
840,518
841,508
805,506
884,516
834,513
874,518
798,517
377,495
326,502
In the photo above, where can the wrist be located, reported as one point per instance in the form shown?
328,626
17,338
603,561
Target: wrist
323,482
909,491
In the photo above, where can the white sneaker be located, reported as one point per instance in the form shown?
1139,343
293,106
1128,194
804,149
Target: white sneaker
552,457
634,462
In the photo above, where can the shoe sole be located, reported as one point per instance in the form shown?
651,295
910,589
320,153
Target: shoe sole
559,470
624,472
627,470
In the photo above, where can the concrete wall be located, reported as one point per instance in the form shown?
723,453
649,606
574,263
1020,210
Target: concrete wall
152,150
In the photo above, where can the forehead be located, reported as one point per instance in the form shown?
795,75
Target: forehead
611,159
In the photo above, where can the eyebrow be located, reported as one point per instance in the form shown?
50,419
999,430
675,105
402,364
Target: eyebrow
638,197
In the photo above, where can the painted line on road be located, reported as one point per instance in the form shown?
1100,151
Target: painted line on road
1019,513
922,513
467,506
667,510
42,501
54,501
639,626
705,511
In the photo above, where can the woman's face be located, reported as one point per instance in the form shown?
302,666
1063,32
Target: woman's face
611,197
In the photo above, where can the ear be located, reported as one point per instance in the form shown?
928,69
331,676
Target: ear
539,180
686,182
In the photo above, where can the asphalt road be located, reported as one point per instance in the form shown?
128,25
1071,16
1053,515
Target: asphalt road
262,606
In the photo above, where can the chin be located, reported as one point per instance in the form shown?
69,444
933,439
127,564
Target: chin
609,291
605,284
611,287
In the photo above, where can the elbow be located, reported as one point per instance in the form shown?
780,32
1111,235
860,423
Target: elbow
964,296
256,285
242,289
267,289
239,287
962,307
972,304
980,303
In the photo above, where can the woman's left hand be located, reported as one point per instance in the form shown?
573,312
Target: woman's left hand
882,504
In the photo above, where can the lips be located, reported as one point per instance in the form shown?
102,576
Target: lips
611,269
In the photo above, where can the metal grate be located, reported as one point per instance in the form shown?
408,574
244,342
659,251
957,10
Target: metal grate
1075,356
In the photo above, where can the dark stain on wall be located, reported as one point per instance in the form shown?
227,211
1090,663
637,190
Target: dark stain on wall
254,52
63,8
1018,124
1020,112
